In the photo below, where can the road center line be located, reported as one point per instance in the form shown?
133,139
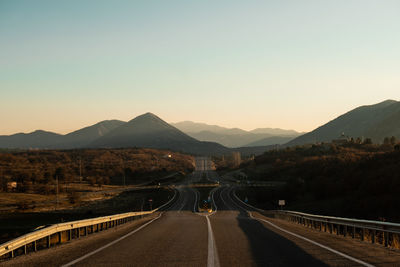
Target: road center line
110,244
212,259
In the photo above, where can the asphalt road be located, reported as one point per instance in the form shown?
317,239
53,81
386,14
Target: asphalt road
180,236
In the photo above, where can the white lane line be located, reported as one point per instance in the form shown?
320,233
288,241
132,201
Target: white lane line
109,244
305,238
212,198
212,259
315,243
183,202
223,200
195,200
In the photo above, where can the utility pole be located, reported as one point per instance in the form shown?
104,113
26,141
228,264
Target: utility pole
57,192
80,169
123,170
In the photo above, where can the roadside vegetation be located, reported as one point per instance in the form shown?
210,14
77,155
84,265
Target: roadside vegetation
40,187
356,180
39,170
14,224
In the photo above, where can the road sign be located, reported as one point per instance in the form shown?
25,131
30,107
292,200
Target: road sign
281,202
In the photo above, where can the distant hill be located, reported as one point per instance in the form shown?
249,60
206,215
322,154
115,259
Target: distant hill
196,127
87,135
374,121
36,139
150,131
229,140
234,137
276,132
273,140
49,140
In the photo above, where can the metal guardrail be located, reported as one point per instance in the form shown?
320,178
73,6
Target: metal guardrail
384,233
62,232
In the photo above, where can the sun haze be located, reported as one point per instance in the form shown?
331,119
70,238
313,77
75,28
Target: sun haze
248,64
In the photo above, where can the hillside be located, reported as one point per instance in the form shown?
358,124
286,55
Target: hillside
48,140
235,137
36,139
150,131
352,180
275,132
273,140
87,135
374,121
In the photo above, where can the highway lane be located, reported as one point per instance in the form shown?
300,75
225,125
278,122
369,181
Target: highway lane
261,244
180,236
242,241
177,238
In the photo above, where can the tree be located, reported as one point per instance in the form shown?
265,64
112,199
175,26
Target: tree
386,141
73,197
368,141
393,140
59,173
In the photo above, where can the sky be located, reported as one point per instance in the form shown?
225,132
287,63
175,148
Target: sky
250,64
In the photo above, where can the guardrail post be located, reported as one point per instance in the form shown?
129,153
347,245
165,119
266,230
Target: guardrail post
386,237
25,249
86,231
337,229
362,234
12,254
48,241
78,232
373,236
345,230
325,224
353,234
59,237
330,228
320,226
69,235
34,246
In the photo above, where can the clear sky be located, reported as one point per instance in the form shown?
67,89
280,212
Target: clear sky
289,64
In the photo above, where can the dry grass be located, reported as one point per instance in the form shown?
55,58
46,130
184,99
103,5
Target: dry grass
24,202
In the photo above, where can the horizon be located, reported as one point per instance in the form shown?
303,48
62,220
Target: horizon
66,66
190,121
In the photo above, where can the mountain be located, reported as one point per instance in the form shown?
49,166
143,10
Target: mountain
234,137
49,140
273,140
87,135
36,139
373,121
276,132
195,127
150,131
228,140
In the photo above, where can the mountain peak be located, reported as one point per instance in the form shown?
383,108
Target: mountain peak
147,116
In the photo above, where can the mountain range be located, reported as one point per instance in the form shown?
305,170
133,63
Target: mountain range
373,121
235,137
146,130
